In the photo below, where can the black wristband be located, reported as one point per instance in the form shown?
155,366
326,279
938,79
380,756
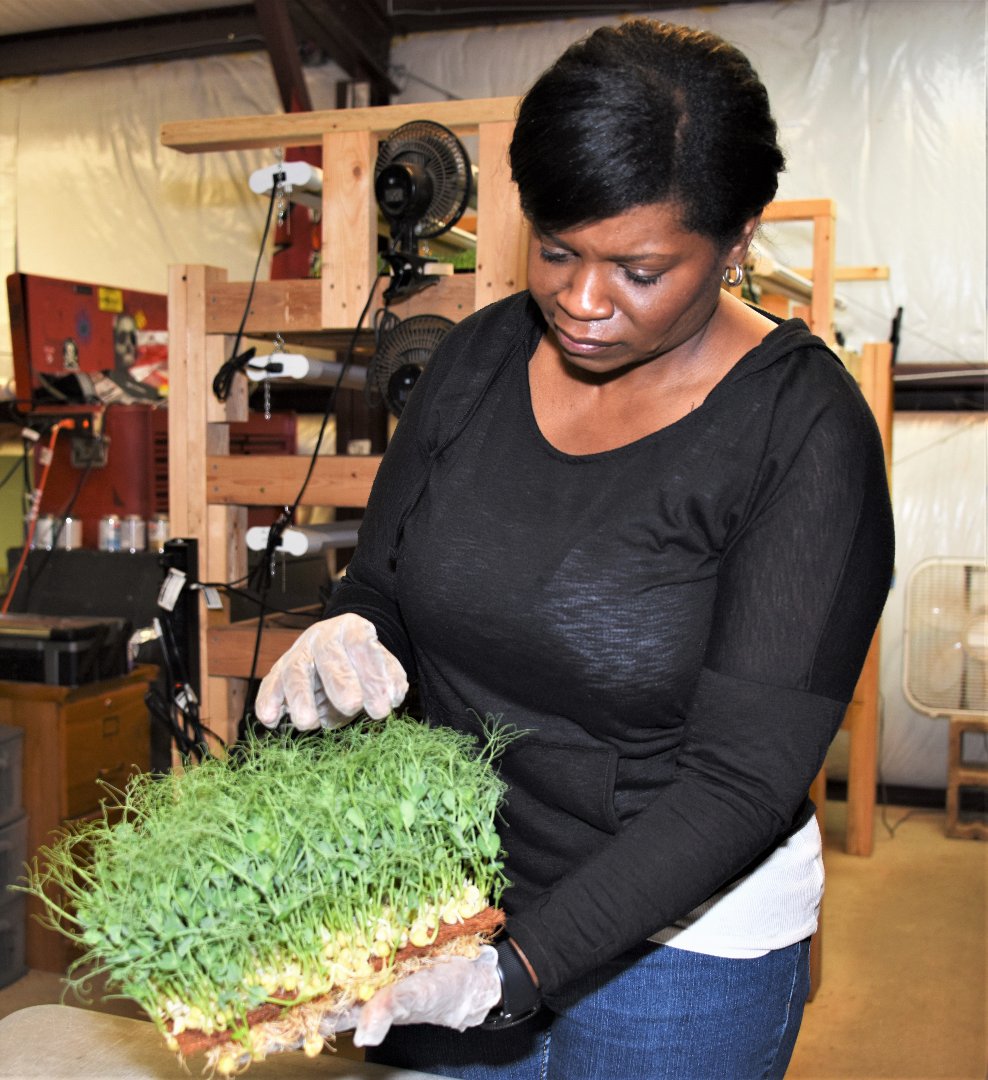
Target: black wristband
520,997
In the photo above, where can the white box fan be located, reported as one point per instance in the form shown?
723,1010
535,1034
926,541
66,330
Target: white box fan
945,667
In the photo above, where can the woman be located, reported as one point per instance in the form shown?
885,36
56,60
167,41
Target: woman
649,525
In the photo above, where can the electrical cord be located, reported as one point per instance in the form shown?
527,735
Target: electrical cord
223,381
10,473
36,496
60,519
260,580
179,711
245,594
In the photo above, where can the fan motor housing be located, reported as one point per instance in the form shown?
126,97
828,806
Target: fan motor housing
404,191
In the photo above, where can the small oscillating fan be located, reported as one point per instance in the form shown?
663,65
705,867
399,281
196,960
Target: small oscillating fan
945,668
422,182
404,347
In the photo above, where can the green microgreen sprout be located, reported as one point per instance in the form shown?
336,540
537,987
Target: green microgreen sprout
293,869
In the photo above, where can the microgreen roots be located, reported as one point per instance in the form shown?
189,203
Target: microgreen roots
293,869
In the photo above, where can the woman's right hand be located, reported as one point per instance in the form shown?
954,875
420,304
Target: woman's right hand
336,669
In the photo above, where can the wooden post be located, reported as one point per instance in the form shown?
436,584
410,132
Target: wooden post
818,793
502,232
861,722
822,303
349,226
198,426
875,380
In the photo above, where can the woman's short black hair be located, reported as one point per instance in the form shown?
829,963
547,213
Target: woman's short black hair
641,113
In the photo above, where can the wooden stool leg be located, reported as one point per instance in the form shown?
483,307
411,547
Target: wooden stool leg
954,739
962,774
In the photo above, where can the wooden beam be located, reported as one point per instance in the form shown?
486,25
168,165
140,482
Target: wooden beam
861,723
349,226
824,245
276,306
294,308
452,297
798,209
502,232
875,378
308,129
850,273
198,427
231,648
275,480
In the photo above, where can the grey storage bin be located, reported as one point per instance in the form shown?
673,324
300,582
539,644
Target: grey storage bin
11,771
12,937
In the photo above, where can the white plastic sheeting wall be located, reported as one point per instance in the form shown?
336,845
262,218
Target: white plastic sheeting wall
881,105
88,193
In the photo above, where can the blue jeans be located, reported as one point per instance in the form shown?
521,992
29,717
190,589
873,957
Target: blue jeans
656,1013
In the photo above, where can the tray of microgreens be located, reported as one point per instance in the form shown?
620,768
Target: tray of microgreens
240,900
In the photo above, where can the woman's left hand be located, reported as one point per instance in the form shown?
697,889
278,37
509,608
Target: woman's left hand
453,992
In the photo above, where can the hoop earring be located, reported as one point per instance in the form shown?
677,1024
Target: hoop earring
733,276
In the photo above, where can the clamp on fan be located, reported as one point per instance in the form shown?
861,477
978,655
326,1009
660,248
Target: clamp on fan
422,182
404,347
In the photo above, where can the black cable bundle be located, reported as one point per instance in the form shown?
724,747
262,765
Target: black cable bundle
178,712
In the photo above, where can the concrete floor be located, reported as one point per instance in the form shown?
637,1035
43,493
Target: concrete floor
904,963
903,988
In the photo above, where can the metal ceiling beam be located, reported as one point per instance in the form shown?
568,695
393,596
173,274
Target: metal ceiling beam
282,44
352,34
420,16
356,34
136,41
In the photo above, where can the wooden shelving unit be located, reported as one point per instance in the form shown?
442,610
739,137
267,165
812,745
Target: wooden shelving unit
210,491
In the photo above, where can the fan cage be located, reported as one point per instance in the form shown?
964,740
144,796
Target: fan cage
408,342
444,158
945,658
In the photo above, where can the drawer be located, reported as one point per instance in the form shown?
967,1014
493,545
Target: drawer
106,739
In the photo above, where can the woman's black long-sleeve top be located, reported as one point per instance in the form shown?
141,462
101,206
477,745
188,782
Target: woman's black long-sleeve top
677,624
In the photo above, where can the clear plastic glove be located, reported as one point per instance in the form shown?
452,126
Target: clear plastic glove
336,669
454,992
